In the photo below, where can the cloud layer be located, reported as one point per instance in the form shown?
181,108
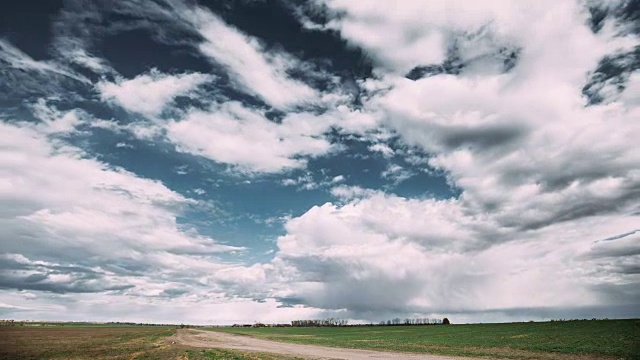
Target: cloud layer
525,112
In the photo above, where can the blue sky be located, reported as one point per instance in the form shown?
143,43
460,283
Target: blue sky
271,160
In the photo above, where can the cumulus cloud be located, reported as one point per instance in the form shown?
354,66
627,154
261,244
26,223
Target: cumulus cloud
79,225
150,93
388,255
494,132
416,34
235,135
541,174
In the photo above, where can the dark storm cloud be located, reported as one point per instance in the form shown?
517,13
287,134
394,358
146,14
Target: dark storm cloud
37,243
624,294
483,138
560,178
632,269
587,205
41,283
582,312
612,72
21,275
174,292
621,246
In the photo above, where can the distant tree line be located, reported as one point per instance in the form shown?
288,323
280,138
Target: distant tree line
11,323
416,321
119,323
259,325
330,322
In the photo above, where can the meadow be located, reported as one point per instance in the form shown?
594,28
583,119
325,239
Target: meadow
74,341
592,339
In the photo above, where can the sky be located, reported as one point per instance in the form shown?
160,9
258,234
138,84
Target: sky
218,162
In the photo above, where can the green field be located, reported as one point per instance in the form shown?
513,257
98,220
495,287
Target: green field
72,341
615,339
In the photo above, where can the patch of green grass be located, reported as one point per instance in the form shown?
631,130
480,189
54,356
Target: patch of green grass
618,339
223,354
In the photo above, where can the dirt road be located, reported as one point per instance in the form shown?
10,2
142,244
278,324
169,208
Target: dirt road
214,339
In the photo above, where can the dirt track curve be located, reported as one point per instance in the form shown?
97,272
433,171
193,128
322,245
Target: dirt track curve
214,339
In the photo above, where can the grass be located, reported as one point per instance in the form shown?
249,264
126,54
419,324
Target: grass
101,342
615,339
222,354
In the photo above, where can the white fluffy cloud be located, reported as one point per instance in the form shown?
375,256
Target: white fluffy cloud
245,138
384,254
226,132
542,176
418,33
527,131
235,135
150,93
73,224
521,143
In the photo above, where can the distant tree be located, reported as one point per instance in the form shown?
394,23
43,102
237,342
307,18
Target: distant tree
445,321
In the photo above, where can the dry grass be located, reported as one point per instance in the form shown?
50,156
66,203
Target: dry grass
18,343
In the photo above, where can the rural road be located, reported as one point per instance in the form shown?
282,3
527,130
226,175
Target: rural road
214,339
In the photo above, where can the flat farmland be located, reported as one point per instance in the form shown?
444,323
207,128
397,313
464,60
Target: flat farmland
593,339
105,342
572,340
